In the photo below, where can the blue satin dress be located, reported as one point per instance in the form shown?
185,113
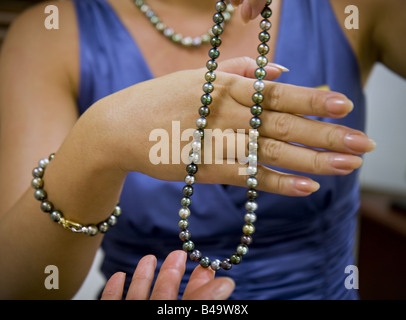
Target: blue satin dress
301,245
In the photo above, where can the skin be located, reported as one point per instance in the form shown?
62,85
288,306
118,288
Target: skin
39,82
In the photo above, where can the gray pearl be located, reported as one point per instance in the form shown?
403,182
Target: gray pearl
92,230
189,180
260,73
250,217
252,182
40,194
242,249
46,206
185,235
55,216
265,25
38,172
215,265
43,163
210,76
201,122
117,211
185,202
37,183
259,85
208,87
103,227
196,255
251,206
262,61
112,221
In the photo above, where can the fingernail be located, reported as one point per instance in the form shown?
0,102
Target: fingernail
305,186
359,143
225,289
345,163
278,66
339,107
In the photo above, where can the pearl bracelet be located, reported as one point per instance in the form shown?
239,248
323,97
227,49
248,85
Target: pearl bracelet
46,206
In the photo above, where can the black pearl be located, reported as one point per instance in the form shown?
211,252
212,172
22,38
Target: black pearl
256,110
217,30
226,264
263,49
37,183
264,36
260,73
206,99
38,172
191,168
252,194
215,42
257,97
221,6
211,65
208,87
40,194
210,76
214,53
255,122
196,255
218,18
266,13
205,262
46,206
187,191
185,235
246,239
204,111
188,246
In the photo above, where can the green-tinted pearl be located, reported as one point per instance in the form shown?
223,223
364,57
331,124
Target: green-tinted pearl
235,259
248,228
188,246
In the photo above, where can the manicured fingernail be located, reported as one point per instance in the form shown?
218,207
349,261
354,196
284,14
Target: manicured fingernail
278,66
225,289
339,107
305,186
345,163
359,143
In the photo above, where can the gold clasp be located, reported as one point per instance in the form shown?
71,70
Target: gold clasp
73,226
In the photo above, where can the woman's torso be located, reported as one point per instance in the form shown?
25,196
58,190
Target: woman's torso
301,245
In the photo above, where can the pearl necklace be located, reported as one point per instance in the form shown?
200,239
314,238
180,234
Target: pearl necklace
206,99
178,38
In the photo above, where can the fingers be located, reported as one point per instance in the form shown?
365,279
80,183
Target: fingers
245,67
142,279
203,286
170,275
114,287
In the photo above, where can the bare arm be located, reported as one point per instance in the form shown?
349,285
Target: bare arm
38,84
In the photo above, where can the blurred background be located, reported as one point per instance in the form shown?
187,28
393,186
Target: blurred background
381,250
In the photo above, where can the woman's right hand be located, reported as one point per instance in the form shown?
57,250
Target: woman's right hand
124,121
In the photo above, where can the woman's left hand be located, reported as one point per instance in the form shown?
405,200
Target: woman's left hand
201,286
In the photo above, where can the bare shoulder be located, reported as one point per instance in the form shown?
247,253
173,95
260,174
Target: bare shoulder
45,35
375,29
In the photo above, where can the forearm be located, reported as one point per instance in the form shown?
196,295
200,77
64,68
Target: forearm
82,183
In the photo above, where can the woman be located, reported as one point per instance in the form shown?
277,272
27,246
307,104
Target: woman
50,77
